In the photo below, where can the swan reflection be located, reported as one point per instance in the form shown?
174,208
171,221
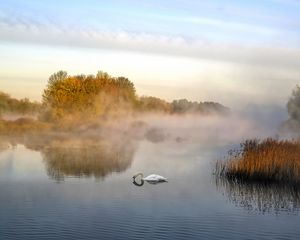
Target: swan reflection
141,182
262,197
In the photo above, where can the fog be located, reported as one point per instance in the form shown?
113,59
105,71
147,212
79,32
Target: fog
253,122
99,148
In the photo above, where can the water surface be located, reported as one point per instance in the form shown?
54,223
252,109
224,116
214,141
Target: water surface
87,193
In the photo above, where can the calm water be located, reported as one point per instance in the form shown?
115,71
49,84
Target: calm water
73,193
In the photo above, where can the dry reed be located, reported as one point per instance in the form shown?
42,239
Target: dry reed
267,160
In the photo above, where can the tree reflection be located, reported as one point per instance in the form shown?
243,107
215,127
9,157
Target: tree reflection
262,197
90,161
3,146
69,155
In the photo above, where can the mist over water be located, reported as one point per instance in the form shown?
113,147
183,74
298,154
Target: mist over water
78,184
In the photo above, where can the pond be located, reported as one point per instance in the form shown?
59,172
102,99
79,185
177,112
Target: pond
88,193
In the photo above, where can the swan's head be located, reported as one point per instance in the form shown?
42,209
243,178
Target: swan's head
138,174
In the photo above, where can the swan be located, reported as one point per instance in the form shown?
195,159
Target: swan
151,178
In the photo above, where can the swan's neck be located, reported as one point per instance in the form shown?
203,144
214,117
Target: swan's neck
138,174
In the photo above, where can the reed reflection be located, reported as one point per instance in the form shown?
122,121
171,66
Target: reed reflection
262,197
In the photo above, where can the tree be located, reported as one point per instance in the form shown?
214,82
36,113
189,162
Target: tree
154,104
185,106
20,107
291,126
88,96
293,105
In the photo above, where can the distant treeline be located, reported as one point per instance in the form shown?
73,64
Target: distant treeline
181,106
90,96
9,105
101,94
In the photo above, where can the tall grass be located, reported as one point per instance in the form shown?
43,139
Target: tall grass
267,160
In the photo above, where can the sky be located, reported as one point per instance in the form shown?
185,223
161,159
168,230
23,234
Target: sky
233,52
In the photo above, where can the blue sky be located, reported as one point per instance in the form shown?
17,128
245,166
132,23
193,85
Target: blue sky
225,51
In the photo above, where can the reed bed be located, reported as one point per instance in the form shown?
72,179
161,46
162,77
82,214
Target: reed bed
268,160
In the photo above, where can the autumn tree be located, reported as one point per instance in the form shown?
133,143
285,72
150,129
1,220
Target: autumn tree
87,95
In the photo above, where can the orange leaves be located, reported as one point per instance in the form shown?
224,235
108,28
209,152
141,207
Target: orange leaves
79,94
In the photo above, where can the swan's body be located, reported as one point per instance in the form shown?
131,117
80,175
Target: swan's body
151,178
155,178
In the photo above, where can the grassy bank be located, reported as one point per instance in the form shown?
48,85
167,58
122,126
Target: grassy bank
268,160
22,126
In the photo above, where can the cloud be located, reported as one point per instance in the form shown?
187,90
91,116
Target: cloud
253,73
26,31
229,25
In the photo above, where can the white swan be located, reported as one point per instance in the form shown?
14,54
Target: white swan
151,178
